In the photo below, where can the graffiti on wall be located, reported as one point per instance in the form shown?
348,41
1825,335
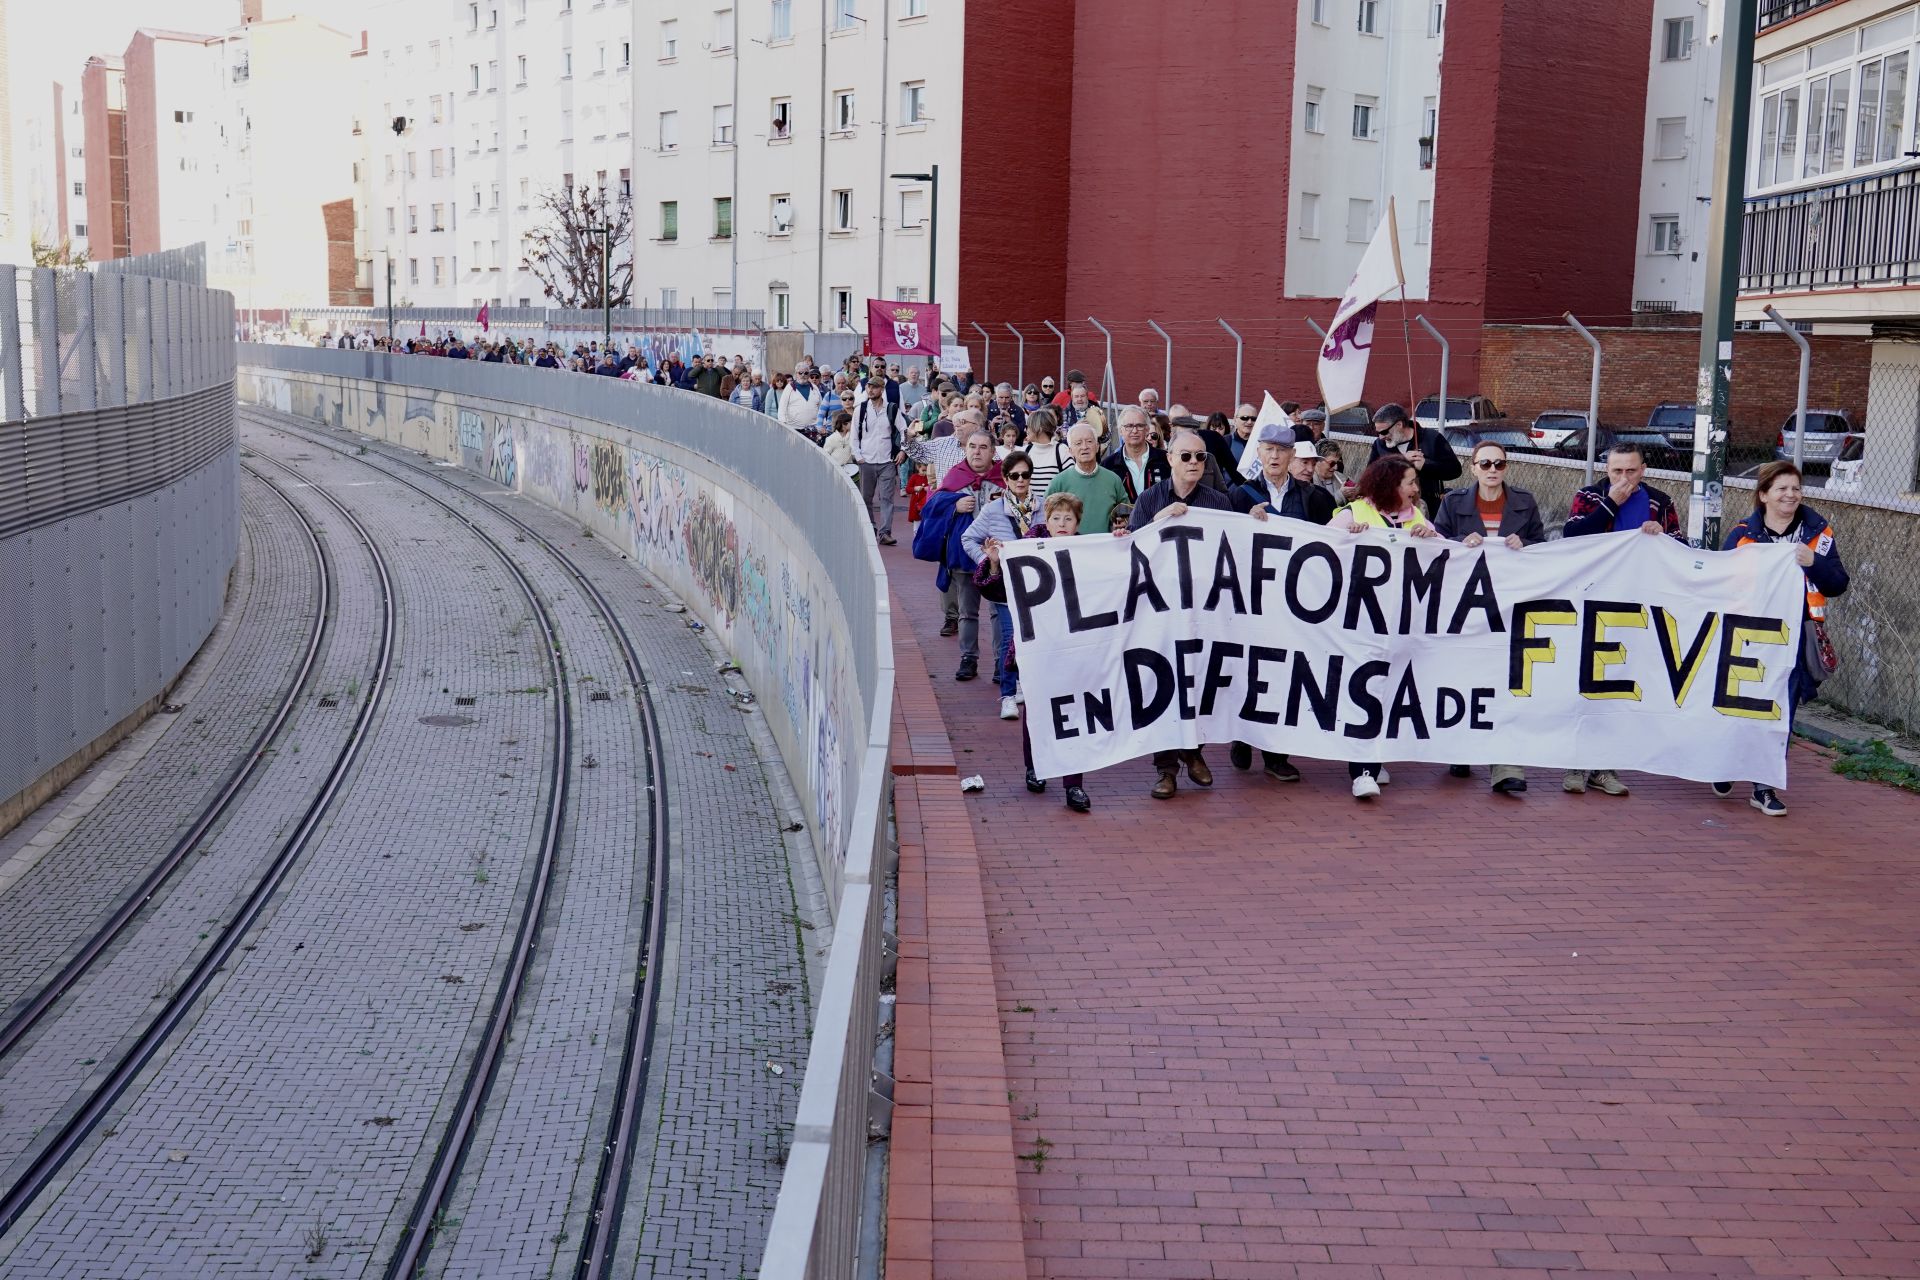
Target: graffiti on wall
607,477
503,466
659,507
713,556
472,431
543,470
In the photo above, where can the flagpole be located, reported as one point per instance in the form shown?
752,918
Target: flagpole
1406,345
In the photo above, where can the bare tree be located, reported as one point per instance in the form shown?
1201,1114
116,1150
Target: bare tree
60,255
563,253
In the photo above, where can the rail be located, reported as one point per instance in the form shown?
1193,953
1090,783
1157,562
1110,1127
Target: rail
767,544
1775,12
1840,235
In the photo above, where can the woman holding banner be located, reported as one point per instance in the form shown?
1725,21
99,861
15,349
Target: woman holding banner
1491,509
1387,497
1780,516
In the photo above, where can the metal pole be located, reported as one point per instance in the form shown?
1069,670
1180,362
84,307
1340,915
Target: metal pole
1021,356
1593,395
1315,326
606,286
1239,356
1800,395
986,354
1735,102
1063,351
1107,386
933,238
389,253
1446,354
1166,385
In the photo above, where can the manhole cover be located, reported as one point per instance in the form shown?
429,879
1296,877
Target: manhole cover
446,722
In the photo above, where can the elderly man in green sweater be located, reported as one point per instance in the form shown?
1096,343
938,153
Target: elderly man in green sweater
1098,489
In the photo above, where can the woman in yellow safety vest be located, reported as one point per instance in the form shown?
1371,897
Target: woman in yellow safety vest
1387,497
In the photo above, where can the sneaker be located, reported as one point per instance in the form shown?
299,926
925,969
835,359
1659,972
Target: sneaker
1077,800
1608,781
1281,769
1575,783
1240,755
1380,776
1035,783
969,669
1198,771
1723,789
1020,696
1768,802
1365,788
951,627
1168,783
886,540
1009,709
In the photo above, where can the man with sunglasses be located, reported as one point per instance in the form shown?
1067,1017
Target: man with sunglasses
1433,459
1139,465
1182,491
1243,419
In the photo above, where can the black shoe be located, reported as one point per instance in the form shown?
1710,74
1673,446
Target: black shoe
951,627
1767,802
1723,789
1240,755
1281,769
1035,783
1510,786
969,669
1077,800
1459,771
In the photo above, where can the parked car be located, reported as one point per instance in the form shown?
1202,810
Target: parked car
1459,409
1355,419
1513,439
1555,425
1845,472
1673,422
1660,452
1828,431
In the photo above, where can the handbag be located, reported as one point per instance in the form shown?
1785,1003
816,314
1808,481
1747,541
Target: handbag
1818,658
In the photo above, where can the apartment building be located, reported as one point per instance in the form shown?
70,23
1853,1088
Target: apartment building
1365,125
1834,200
103,97
1676,177
41,167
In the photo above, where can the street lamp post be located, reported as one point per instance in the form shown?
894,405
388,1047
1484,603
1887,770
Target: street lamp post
389,253
605,232
932,176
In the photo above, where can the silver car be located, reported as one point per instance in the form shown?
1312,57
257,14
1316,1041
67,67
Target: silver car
1828,431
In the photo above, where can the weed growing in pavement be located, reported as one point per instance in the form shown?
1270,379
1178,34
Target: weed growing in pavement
1874,762
480,867
1038,1156
316,1240
1023,1007
353,689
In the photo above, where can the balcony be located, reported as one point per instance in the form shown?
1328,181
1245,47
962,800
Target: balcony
1775,12
1844,235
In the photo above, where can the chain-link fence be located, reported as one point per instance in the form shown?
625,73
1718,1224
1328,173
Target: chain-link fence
76,340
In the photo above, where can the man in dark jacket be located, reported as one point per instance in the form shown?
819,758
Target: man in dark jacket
1138,464
708,376
1432,457
1183,490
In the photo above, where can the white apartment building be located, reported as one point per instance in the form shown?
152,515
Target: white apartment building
1366,115
500,101
767,133
43,129
1676,180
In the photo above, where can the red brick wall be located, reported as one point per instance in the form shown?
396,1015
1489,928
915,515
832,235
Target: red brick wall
143,147
1018,113
342,290
1529,369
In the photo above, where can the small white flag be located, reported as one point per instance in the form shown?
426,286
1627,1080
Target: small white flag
1343,357
1270,411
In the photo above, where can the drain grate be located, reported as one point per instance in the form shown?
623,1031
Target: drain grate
329,701
599,695
463,701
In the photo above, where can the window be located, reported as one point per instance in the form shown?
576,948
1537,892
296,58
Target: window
493,255
912,204
843,210
79,188
440,213
843,111
1363,109
1359,221
413,271
391,220
566,64
413,167
842,308
1436,17
80,229
525,185
722,30
1779,136
473,77
1676,40
600,58
1883,96
669,130
906,293
781,215
1423,223
1309,215
782,119
1318,12
913,101
782,307
1826,148
669,219
723,125
493,196
669,299
626,182
520,69
600,183
780,20
669,39
1666,235
520,133
1369,17
1429,126
493,18
1311,120
413,219
439,270
437,107
843,14
723,218
626,54
1670,138
183,117
473,17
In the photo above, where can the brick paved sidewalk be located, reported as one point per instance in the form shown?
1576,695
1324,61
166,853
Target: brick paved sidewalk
1268,1032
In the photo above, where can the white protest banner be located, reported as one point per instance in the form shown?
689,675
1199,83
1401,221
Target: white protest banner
1620,651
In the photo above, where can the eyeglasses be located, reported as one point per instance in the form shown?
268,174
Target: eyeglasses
1246,417
1019,475
1046,386
1492,464
1184,455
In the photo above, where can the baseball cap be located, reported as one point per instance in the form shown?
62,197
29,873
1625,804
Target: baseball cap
1305,449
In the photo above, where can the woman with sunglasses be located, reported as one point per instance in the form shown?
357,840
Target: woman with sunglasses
1007,518
1491,509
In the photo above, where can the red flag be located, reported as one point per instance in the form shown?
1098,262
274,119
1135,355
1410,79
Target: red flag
903,328
423,328
481,319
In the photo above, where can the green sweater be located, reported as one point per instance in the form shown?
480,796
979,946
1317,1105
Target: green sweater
1099,493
